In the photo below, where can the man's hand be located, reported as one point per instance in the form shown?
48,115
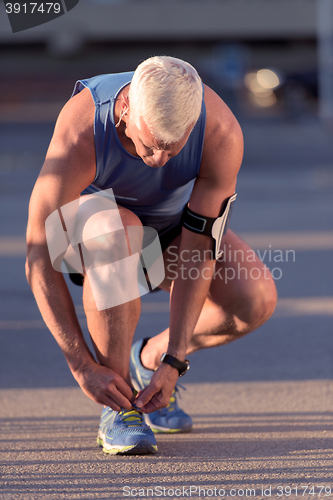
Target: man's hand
158,393
104,386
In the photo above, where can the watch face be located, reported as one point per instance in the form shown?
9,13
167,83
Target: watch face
187,368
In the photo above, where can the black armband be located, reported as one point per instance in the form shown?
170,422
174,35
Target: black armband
210,226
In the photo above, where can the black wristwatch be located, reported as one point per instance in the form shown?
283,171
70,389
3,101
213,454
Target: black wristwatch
182,366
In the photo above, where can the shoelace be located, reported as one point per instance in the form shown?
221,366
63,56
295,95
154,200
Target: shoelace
131,417
173,401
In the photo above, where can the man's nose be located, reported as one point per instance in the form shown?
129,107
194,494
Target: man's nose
160,158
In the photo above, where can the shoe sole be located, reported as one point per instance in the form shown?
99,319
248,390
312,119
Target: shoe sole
165,430
141,448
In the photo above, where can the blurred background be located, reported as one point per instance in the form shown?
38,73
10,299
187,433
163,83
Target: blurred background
271,61
266,58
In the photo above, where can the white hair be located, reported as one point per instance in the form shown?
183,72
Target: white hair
167,94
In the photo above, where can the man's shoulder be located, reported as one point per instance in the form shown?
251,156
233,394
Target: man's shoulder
76,118
223,144
220,121
72,148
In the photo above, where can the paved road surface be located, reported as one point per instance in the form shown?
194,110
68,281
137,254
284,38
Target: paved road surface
262,406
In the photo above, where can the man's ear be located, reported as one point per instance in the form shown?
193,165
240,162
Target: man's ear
124,101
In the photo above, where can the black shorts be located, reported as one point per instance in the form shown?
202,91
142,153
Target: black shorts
166,238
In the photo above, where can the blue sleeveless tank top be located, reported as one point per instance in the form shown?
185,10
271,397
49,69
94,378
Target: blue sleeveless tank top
156,195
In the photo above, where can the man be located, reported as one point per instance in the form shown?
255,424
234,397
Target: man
162,141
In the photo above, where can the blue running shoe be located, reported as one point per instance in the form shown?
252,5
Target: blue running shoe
125,433
167,420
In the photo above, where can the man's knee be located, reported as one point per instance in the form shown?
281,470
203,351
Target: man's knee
262,300
100,220
248,306
253,303
105,235
128,218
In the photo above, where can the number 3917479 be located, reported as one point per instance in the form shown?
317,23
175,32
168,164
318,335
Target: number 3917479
33,7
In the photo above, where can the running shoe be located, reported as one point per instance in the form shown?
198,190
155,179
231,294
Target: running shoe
167,420
125,433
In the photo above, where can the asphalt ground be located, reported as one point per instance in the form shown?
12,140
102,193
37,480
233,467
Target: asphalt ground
262,406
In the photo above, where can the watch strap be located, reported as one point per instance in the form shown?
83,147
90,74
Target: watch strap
181,366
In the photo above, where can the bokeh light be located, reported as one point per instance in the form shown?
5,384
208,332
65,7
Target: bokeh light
261,84
267,78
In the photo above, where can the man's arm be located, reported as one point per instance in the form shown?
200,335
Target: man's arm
68,169
221,160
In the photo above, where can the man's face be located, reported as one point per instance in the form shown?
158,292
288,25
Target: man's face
153,152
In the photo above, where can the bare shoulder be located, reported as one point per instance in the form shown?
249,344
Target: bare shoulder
220,121
75,124
71,153
70,164
223,144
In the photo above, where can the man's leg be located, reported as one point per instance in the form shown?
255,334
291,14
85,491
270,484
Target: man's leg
241,298
112,331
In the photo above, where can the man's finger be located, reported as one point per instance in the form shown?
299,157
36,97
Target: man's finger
150,407
120,399
124,389
107,401
145,396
